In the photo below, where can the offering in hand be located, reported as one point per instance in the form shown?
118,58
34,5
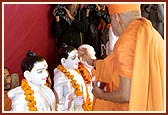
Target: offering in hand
103,85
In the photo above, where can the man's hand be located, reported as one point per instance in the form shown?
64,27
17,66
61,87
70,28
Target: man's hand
55,11
97,92
83,53
55,14
69,14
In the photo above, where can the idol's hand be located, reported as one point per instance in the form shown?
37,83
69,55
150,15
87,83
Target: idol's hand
78,100
68,100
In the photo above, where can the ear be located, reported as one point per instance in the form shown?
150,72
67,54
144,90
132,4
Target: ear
81,59
27,75
117,17
63,62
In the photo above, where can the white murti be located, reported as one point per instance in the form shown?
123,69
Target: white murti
68,101
92,54
43,95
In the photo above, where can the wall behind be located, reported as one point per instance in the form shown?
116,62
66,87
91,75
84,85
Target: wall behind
27,27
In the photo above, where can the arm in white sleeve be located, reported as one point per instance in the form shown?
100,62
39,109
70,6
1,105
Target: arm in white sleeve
61,87
19,104
18,99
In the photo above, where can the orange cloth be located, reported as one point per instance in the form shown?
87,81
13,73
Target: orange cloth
93,71
147,89
7,102
137,57
120,8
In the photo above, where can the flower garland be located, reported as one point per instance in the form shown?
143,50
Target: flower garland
87,105
28,92
84,72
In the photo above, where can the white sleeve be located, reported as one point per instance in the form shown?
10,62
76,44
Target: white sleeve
19,104
112,39
18,100
61,87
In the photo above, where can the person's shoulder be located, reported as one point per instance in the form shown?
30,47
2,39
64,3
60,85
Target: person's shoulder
47,89
16,92
58,73
59,77
131,31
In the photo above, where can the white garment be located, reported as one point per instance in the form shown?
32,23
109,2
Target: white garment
45,99
65,90
112,40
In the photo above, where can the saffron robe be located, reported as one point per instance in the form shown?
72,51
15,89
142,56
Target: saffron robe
7,102
138,54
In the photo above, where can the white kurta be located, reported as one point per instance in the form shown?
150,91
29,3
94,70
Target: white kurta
45,99
65,90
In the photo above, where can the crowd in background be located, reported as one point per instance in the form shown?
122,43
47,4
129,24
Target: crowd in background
90,24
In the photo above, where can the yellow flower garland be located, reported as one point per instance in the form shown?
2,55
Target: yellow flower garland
28,92
87,106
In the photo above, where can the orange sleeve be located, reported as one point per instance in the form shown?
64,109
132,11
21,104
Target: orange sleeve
124,54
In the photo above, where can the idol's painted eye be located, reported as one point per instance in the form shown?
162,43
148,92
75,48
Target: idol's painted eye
73,57
40,72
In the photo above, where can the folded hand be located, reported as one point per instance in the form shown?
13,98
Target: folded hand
78,100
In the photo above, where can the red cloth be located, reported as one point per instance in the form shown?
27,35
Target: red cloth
27,27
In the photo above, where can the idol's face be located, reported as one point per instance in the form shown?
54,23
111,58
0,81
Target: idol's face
72,61
39,73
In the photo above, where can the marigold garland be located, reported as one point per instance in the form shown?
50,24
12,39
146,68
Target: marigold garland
87,105
28,92
84,72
